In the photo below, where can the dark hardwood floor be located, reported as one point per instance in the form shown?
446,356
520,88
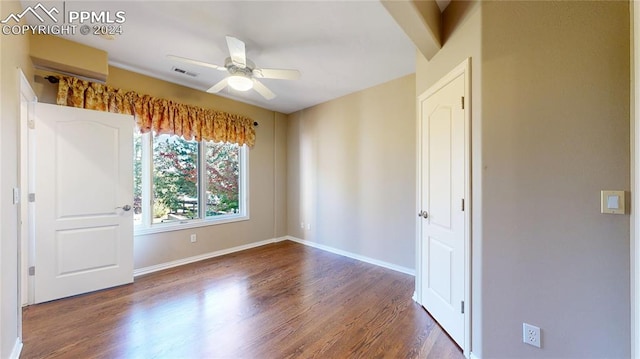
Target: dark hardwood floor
283,300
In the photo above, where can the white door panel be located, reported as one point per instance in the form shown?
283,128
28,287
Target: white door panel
84,239
439,272
442,187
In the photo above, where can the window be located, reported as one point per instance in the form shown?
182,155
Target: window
182,184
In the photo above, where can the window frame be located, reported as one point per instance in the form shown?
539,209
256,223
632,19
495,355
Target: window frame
148,227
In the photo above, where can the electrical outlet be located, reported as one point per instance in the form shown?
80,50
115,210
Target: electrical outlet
531,335
194,239
308,226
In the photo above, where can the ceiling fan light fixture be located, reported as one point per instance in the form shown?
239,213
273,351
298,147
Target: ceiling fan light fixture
240,82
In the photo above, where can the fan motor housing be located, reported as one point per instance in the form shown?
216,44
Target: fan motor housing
237,70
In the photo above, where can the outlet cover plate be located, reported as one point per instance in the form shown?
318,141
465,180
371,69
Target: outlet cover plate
531,335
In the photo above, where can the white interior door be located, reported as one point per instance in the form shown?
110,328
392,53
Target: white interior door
443,188
83,197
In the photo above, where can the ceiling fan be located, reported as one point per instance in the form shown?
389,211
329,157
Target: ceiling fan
243,73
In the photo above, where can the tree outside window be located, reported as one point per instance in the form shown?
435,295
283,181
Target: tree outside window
177,169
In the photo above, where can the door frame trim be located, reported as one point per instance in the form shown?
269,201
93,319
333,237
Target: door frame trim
25,246
28,96
464,69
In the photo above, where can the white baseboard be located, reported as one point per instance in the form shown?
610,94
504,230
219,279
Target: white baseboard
473,356
17,349
280,239
179,262
359,257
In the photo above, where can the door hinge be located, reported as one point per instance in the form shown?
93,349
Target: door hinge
462,205
31,124
462,102
32,197
32,270
462,307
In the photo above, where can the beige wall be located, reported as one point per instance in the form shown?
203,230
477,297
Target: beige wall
79,60
461,40
351,173
13,50
281,163
550,108
555,131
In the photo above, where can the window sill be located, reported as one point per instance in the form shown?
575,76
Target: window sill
194,223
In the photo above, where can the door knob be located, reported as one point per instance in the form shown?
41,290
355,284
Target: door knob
126,207
423,214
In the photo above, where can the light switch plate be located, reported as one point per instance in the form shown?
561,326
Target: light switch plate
612,202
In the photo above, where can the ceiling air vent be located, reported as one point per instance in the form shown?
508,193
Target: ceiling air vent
185,72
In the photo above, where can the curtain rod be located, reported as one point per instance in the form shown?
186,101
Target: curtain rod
52,79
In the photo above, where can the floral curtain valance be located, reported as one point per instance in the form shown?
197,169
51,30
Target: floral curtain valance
159,115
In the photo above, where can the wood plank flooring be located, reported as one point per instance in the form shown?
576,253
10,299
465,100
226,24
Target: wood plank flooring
282,300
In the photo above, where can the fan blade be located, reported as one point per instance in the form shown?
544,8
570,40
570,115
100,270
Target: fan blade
263,90
280,74
237,51
196,62
219,86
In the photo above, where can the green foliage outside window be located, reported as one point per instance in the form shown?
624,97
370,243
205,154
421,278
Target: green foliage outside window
175,176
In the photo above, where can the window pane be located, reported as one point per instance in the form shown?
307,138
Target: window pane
175,179
137,177
223,179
